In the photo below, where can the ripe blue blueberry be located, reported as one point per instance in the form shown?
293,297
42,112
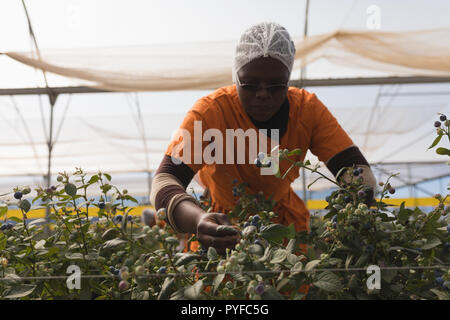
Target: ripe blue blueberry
101,205
361,194
256,218
259,289
235,181
370,248
118,218
334,225
442,118
257,241
391,190
356,172
258,163
328,199
162,270
361,170
18,195
254,223
130,218
440,281
334,219
437,124
246,224
347,199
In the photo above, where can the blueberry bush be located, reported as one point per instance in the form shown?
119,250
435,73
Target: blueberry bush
120,257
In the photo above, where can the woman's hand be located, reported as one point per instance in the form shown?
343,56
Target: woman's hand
209,236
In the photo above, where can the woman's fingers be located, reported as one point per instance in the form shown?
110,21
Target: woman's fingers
220,243
214,230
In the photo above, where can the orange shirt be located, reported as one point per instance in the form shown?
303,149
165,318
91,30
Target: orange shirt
310,127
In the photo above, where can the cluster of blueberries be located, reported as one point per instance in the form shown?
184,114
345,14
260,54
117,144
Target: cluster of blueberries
6,226
118,218
255,220
437,124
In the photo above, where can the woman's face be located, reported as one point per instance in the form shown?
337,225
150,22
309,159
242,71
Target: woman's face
262,87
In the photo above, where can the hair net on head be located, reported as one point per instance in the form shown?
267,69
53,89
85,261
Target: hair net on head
266,39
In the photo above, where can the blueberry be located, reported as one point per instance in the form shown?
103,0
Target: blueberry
361,170
447,245
437,273
130,218
53,188
334,225
356,172
258,163
3,227
257,241
112,269
437,124
235,189
18,195
259,289
235,181
391,190
442,118
328,199
334,219
162,270
256,218
117,218
101,205
439,281
347,199
254,223
361,194
370,248
246,224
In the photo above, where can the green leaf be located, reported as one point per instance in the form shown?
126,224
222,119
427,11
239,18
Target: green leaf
109,234
212,254
74,256
276,232
311,265
25,205
15,219
40,244
185,258
20,291
107,176
217,281
295,152
3,209
266,255
282,283
166,288
279,256
297,268
93,179
436,141
128,197
443,151
362,260
440,294
431,243
193,291
113,243
70,189
272,294
328,281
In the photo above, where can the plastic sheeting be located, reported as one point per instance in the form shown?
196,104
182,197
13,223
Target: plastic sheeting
207,65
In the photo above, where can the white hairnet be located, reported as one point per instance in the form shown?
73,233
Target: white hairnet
266,39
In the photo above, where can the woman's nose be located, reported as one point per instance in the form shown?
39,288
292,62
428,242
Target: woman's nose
262,93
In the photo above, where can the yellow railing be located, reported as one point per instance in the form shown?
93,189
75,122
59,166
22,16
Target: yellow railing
311,204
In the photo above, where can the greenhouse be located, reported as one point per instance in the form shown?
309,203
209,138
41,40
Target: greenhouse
93,93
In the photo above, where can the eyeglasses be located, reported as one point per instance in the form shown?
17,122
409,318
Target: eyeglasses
272,88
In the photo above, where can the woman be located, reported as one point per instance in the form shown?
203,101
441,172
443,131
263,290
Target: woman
259,99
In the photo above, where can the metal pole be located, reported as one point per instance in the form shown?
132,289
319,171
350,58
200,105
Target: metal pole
302,76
